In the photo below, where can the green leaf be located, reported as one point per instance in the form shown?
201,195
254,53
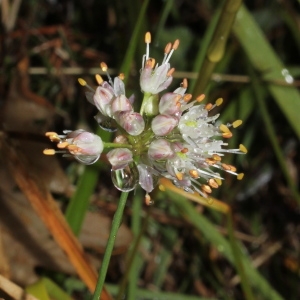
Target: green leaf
266,61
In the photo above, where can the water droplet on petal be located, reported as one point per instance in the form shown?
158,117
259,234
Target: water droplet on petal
125,179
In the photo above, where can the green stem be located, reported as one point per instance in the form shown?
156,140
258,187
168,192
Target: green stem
238,260
217,44
115,145
110,245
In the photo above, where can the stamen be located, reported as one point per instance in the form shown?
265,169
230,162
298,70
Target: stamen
99,79
176,44
219,101
167,51
187,97
200,98
218,181
237,123
174,47
148,200
122,76
53,136
227,135
179,176
83,83
224,128
184,150
210,161
104,68
206,188
243,148
226,167
208,106
194,174
147,41
170,72
212,182
168,48
232,168
240,176
216,157
62,145
184,83
49,152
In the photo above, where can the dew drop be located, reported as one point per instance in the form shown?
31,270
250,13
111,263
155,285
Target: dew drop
125,179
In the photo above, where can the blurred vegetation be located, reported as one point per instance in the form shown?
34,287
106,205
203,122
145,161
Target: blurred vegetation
243,244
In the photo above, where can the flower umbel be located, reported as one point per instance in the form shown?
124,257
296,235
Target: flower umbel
172,136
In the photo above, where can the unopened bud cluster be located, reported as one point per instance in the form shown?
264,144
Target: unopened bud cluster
172,136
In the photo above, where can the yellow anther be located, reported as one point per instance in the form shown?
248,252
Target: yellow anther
184,150
187,97
51,133
152,60
148,200
218,181
73,148
170,72
168,48
184,83
194,173
121,76
49,151
227,135
213,183
226,167
200,98
162,188
240,176
219,101
62,145
179,176
103,66
148,37
232,168
243,148
175,45
210,161
224,128
216,157
82,81
178,104
206,188
237,123
208,106
99,79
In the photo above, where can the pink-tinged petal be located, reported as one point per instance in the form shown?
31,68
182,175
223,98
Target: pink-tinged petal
119,158
89,143
119,86
163,124
132,122
169,104
102,99
145,178
165,84
121,103
160,149
154,81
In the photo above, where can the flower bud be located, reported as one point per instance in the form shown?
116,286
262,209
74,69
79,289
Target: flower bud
163,124
132,122
121,103
119,158
169,104
160,149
